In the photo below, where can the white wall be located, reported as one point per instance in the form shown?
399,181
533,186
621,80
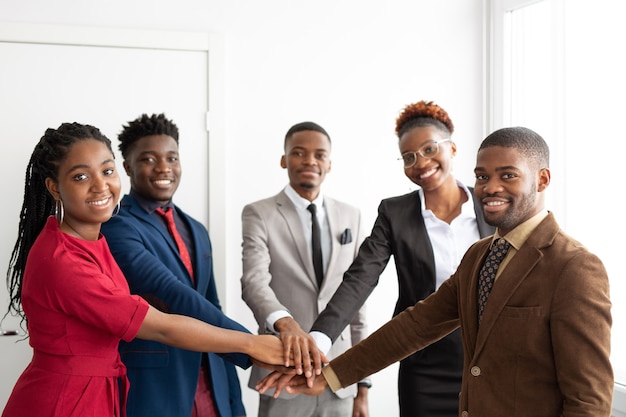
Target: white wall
350,66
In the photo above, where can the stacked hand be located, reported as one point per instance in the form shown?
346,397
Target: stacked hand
302,373
268,351
295,352
303,364
308,359
287,379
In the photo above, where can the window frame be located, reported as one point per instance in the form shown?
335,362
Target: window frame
497,110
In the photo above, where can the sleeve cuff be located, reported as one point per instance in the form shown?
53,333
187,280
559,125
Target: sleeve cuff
331,378
367,383
273,318
322,341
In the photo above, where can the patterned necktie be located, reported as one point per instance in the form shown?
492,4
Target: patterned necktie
182,248
316,239
487,276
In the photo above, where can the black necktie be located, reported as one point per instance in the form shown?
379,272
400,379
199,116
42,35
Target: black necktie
487,276
316,239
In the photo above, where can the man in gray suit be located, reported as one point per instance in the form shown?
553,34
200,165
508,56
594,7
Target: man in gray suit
283,238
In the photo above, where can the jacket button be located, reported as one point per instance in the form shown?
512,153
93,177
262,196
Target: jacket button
464,414
475,371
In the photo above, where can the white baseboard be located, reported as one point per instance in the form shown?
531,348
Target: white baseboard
619,401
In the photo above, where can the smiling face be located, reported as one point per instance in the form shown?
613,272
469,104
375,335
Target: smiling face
509,186
89,186
428,173
153,166
307,160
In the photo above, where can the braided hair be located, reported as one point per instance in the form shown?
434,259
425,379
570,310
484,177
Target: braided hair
423,113
38,204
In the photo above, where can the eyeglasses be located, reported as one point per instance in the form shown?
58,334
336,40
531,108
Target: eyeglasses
428,150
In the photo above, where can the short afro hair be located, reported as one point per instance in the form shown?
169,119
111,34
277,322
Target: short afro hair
529,143
144,125
303,126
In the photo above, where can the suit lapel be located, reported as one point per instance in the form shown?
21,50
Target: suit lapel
416,233
333,215
292,222
472,298
201,280
145,217
511,278
520,266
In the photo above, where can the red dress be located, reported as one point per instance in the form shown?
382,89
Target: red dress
78,307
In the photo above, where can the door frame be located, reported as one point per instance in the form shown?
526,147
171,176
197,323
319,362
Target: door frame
208,43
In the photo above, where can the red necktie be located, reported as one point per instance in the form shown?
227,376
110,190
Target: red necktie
182,249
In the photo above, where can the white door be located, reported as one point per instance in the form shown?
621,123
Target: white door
101,77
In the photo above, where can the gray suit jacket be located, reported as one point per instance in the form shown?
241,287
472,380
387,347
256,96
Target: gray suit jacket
278,271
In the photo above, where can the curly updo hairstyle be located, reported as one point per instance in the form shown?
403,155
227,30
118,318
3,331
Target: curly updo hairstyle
423,113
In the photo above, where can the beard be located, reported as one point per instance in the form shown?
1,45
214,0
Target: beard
522,208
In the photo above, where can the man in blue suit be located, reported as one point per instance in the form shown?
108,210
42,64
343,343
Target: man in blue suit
173,270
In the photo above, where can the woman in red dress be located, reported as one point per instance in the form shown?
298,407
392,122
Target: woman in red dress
74,299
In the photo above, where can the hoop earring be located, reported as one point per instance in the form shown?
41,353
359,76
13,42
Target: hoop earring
59,212
116,210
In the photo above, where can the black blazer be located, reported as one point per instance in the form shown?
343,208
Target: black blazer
400,231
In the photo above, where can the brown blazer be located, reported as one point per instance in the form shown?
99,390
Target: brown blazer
544,341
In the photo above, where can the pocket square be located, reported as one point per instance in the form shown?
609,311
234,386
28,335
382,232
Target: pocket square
346,237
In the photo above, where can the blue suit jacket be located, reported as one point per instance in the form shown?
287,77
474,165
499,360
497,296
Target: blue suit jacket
163,379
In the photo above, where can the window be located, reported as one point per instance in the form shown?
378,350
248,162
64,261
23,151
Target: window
555,67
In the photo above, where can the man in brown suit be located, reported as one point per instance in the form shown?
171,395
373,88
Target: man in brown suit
542,345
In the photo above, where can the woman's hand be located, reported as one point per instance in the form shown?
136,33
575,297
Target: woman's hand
268,349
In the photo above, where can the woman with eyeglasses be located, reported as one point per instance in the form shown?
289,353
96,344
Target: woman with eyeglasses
427,232
73,297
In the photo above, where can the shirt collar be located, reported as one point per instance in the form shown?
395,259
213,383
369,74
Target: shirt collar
148,205
518,236
302,203
467,210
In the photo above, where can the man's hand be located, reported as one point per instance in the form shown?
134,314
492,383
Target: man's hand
361,405
301,347
292,383
278,380
299,385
